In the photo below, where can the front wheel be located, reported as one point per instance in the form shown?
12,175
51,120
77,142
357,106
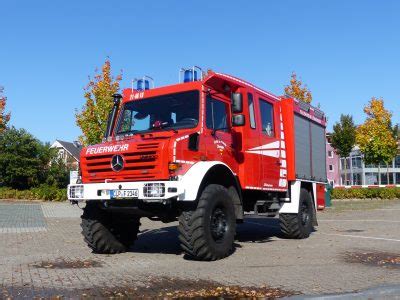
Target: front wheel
108,233
298,226
208,232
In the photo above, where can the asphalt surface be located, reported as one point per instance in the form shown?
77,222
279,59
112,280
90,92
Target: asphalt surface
42,254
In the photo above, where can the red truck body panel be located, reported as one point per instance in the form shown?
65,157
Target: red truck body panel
261,158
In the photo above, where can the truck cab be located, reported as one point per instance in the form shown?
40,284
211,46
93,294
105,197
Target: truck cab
203,152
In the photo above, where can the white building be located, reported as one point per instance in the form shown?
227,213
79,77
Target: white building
68,152
361,174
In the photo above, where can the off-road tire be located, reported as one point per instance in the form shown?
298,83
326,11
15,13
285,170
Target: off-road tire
298,226
108,233
202,233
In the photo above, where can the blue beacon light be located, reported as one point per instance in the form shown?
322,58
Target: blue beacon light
190,75
143,85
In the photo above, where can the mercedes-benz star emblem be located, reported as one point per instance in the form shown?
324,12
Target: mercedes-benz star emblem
117,163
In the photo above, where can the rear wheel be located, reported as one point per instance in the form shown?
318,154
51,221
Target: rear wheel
298,226
108,233
208,232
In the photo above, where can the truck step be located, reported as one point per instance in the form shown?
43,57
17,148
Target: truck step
266,208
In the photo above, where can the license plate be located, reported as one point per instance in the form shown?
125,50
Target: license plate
124,194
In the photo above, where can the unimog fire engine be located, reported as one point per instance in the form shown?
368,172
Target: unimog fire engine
205,152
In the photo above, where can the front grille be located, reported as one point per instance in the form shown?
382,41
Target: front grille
140,164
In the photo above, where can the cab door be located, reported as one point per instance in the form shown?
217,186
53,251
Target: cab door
269,148
217,131
251,171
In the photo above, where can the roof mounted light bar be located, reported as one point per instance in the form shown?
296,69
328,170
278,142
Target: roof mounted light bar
190,74
142,83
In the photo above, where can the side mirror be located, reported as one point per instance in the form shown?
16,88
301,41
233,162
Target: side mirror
238,120
237,103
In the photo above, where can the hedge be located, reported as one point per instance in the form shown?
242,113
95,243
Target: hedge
365,193
52,193
43,192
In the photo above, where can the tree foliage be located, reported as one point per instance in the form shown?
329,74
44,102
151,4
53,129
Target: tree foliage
98,94
297,90
57,173
25,162
376,137
4,117
344,135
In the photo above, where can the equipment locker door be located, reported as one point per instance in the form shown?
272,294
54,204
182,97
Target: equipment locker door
269,143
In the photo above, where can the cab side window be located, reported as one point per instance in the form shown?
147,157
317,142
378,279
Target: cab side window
216,114
251,111
267,117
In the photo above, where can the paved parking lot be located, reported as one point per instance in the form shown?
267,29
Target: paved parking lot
42,253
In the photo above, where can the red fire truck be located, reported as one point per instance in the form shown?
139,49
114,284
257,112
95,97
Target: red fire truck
205,152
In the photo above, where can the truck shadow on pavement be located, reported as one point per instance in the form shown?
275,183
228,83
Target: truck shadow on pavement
165,240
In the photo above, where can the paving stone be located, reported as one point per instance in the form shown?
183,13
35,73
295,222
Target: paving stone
60,210
311,266
18,218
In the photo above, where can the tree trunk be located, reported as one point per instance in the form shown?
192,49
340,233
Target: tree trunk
387,174
379,174
345,171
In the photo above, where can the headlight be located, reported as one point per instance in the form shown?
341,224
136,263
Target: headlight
76,191
154,190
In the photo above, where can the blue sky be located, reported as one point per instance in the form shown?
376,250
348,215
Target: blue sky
345,51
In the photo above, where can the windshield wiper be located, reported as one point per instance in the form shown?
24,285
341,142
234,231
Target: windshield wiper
128,132
214,131
165,128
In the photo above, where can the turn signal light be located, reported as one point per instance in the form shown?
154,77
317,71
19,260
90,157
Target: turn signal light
173,166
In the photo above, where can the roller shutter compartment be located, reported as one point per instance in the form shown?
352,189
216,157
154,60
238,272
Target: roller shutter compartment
318,152
303,148
310,150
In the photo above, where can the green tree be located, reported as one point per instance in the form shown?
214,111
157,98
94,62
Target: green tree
297,90
98,94
23,159
344,138
57,173
376,136
4,117
26,162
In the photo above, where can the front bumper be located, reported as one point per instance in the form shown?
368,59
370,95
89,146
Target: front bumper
101,191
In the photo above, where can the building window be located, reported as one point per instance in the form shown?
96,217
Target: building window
383,164
397,181
330,154
397,162
371,178
344,181
345,163
267,117
385,180
356,162
331,168
61,153
371,166
357,179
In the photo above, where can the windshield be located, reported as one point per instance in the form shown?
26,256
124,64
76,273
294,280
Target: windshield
174,111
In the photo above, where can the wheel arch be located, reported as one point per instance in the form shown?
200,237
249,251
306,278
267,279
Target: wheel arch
311,187
204,173
293,205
